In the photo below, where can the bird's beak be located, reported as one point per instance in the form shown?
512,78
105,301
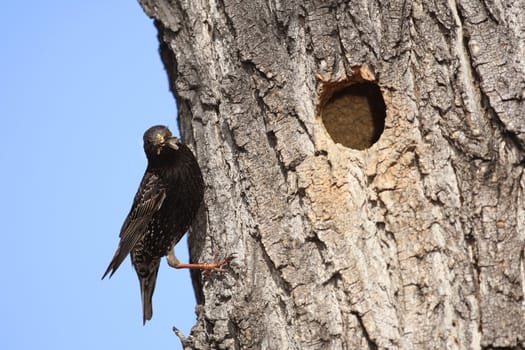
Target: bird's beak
162,141
173,143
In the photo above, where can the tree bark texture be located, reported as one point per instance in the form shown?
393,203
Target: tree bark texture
413,243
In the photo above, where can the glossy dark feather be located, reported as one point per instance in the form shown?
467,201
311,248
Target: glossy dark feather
166,202
147,202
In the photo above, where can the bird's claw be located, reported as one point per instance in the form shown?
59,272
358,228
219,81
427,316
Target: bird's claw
217,266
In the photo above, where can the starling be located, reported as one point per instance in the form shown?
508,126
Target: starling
166,202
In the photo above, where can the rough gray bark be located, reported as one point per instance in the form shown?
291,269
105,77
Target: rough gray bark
416,242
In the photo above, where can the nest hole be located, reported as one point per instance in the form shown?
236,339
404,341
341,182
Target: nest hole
354,115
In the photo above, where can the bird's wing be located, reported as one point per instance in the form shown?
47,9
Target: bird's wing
147,202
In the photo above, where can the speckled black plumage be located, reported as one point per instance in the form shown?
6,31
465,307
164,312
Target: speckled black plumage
166,202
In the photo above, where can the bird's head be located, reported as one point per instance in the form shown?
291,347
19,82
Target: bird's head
157,139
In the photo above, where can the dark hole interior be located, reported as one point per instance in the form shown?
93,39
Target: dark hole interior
355,115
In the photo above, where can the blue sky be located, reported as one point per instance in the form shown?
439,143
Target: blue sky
80,81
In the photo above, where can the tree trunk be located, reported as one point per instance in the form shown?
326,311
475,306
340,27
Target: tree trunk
349,233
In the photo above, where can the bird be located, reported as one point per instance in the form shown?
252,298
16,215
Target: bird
166,202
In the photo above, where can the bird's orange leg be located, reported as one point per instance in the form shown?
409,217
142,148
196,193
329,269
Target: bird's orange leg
175,263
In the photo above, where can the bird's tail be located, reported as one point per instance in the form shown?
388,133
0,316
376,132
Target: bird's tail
147,273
